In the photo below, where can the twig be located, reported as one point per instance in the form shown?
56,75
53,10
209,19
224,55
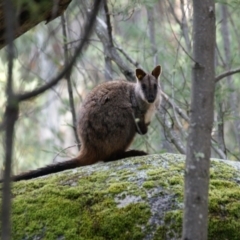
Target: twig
65,149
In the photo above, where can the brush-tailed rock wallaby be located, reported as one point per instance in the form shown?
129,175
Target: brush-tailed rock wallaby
109,118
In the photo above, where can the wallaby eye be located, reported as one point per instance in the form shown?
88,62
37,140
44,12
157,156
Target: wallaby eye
155,86
144,87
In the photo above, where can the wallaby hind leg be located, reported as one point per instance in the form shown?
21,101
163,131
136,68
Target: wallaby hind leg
121,155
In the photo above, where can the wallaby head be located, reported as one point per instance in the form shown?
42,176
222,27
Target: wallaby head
147,84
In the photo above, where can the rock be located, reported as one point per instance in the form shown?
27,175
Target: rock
136,198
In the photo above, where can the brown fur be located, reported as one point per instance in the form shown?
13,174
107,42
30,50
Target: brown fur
109,118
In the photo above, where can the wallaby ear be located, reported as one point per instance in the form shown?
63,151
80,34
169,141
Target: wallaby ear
157,71
140,74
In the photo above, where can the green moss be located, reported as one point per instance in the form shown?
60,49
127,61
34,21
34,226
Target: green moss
224,203
84,211
106,201
171,229
118,187
223,228
149,184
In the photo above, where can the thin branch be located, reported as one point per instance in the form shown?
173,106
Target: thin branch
133,62
108,63
108,22
68,78
184,27
58,153
174,14
88,28
175,107
226,74
171,134
220,129
178,41
186,118
112,52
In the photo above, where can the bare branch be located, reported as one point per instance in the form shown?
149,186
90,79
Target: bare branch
220,129
174,14
226,74
171,134
133,62
68,78
108,22
58,153
88,27
184,27
175,107
112,52
178,41
108,62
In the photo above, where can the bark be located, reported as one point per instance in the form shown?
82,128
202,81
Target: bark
27,19
10,117
195,220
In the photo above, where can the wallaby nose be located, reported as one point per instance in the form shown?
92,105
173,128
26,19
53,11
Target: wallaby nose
151,99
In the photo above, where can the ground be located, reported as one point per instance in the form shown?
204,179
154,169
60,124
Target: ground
136,198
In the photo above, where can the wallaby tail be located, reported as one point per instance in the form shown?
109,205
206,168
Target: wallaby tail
53,168
126,154
84,158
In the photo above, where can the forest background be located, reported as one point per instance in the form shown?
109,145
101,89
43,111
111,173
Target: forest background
127,35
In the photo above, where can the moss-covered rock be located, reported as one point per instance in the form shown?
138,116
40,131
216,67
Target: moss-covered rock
135,198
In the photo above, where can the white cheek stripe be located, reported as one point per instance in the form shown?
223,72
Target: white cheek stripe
152,107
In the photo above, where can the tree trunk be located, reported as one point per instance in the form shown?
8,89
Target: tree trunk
195,220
